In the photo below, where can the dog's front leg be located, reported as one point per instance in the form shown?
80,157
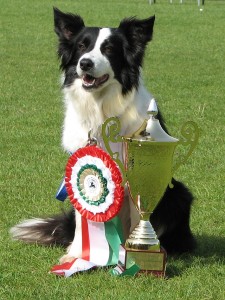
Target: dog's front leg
75,248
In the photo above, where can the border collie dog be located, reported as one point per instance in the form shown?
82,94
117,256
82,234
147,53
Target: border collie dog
102,78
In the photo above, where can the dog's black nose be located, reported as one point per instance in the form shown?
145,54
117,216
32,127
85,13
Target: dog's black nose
86,64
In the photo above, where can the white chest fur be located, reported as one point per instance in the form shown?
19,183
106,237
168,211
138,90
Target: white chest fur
85,110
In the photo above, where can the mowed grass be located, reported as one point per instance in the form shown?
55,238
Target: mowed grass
184,69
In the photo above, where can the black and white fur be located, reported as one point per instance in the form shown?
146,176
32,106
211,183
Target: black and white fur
102,78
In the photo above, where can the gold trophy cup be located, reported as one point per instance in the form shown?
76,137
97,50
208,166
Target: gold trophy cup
147,170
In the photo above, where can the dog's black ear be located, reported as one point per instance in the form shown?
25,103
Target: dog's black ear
138,30
67,25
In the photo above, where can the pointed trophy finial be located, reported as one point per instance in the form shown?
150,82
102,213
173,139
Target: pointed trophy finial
154,130
152,109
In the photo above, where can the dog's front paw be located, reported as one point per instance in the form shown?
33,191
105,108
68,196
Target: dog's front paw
66,258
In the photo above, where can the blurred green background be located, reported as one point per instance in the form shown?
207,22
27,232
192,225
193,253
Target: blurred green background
183,68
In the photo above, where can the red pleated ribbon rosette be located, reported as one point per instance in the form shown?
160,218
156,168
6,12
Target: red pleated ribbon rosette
94,184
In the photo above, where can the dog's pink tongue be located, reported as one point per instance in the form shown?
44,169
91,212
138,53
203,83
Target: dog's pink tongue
88,80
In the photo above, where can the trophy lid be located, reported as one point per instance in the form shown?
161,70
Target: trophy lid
154,130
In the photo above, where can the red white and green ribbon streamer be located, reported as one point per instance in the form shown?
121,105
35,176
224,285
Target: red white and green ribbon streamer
97,244
94,185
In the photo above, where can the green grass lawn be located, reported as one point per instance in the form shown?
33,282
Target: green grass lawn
184,68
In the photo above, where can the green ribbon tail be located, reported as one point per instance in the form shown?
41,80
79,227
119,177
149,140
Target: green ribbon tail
114,236
132,271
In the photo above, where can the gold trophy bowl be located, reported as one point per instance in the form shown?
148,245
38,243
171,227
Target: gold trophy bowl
147,170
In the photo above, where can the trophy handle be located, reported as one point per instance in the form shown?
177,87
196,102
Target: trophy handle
110,133
190,136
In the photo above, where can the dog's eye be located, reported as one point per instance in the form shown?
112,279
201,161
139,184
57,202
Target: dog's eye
108,49
81,46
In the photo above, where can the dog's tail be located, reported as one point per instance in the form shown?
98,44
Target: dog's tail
55,230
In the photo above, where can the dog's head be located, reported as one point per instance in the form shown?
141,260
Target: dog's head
99,56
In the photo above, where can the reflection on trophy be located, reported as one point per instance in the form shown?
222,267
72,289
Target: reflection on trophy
148,170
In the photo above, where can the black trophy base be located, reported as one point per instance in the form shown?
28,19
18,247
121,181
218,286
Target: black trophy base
153,262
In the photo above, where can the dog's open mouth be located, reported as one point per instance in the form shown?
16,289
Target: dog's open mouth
89,81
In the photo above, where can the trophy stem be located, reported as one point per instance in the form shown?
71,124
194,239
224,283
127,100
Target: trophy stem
143,237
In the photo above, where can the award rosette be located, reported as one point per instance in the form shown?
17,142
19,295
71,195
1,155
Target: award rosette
94,185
